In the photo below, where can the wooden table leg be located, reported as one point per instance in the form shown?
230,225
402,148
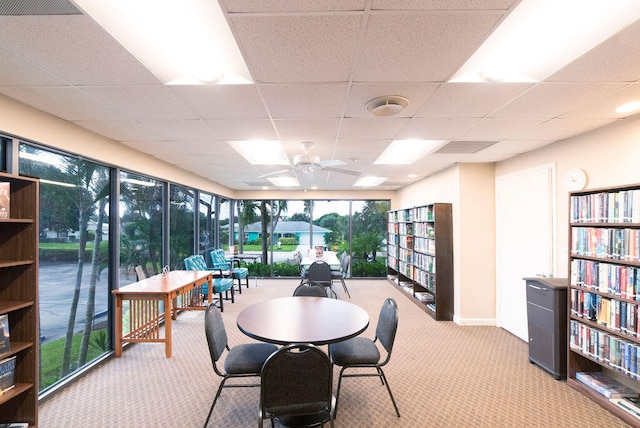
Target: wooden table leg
167,326
210,290
118,326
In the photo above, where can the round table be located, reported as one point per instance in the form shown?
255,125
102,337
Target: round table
315,320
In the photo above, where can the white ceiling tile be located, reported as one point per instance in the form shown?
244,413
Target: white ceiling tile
121,130
243,129
276,6
436,128
190,129
499,129
441,4
17,71
605,107
304,100
66,102
378,128
143,101
73,48
559,129
549,100
222,101
298,48
307,129
403,47
611,61
470,99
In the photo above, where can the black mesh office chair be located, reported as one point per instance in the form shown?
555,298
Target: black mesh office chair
296,386
362,352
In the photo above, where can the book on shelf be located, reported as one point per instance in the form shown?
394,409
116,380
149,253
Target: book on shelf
5,199
605,385
5,342
7,371
627,405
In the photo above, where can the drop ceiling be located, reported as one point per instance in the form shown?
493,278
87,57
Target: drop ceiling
316,66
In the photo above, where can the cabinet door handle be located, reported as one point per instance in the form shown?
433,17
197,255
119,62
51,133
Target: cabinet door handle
538,288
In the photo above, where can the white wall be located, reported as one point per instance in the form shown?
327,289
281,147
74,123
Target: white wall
610,156
470,190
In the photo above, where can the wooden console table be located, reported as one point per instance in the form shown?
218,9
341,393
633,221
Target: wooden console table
158,298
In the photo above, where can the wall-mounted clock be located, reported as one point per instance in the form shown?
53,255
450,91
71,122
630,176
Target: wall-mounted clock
575,179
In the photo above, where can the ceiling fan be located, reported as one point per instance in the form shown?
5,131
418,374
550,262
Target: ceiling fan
308,163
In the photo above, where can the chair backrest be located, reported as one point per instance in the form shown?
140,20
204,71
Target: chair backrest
296,380
219,260
140,273
216,333
344,264
313,290
195,262
320,271
387,325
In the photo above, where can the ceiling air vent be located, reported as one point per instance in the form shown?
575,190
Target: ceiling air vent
37,7
464,147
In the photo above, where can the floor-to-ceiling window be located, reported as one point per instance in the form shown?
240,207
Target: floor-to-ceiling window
140,212
207,223
74,260
368,238
181,225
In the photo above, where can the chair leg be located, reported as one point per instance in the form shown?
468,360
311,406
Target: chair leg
344,287
335,409
384,380
214,402
220,299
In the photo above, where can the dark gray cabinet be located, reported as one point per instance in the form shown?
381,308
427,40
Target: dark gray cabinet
547,322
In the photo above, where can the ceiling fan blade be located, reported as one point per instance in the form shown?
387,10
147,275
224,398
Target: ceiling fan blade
334,162
342,171
274,173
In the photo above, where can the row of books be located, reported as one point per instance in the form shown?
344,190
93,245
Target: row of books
392,262
630,405
405,228
622,281
392,228
405,269
405,255
425,245
606,243
424,229
405,241
616,315
392,239
425,262
609,349
605,385
392,250
606,207
423,213
425,279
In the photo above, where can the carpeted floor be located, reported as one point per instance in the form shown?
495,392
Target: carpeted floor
441,374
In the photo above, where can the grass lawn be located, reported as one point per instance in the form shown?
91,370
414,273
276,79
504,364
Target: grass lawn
51,358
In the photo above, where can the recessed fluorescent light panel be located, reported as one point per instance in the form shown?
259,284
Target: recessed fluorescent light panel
629,107
369,181
261,152
186,42
284,181
541,36
405,152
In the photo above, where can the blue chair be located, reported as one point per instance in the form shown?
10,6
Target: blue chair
220,284
225,266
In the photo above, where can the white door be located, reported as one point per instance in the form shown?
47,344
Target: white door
524,241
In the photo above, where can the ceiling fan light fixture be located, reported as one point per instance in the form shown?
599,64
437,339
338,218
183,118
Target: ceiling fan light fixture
387,106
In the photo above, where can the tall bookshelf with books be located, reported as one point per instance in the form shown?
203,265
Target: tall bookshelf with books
604,296
420,256
19,300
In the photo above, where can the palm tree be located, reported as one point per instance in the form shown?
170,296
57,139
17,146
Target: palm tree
246,215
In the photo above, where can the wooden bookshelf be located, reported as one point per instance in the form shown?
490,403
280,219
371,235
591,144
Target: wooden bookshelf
604,290
420,256
19,297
